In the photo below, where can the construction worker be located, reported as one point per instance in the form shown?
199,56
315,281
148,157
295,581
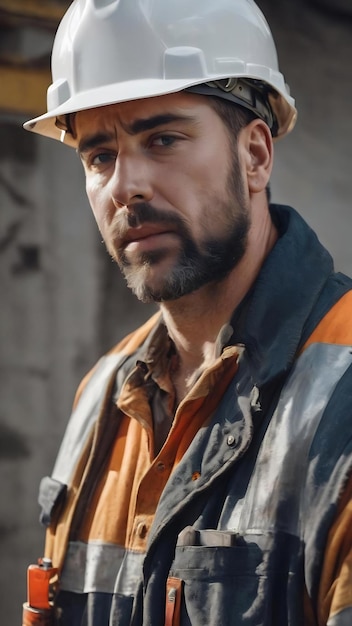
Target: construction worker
205,475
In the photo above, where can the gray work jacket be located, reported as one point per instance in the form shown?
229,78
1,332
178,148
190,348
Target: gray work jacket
244,543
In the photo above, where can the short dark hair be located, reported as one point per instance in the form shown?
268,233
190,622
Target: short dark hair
233,115
235,118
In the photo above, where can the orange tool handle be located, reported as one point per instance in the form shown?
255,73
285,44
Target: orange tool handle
36,617
38,610
38,584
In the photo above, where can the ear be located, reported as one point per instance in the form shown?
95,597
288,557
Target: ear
257,143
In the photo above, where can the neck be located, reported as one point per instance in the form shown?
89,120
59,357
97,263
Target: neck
195,320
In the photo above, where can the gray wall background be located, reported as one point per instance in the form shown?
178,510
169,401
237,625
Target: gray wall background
63,302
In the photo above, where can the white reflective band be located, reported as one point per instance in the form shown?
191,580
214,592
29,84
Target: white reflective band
343,618
101,567
302,403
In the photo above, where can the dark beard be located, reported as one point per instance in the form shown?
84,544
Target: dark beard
196,265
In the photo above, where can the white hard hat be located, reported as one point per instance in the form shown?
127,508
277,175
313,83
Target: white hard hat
110,51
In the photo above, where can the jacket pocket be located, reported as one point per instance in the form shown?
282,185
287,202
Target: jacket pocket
230,579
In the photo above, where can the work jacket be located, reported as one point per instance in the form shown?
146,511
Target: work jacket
249,528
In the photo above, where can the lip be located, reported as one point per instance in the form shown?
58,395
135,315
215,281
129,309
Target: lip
145,235
142,232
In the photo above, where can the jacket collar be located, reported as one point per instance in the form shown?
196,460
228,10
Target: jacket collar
270,321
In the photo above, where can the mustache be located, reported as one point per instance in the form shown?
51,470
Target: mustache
144,213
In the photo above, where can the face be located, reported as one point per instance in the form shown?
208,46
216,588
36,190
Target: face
165,186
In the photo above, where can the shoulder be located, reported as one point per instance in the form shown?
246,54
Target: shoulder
125,347
335,326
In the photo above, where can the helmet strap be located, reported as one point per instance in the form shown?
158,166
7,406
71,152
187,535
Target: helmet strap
248,93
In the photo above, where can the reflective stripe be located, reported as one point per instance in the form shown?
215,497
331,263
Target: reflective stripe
283,457
343,618
84,417
130,573
101,567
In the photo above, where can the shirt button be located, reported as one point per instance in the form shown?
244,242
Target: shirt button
160,467
230,440
142,530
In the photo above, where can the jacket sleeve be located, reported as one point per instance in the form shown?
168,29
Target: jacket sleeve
335,593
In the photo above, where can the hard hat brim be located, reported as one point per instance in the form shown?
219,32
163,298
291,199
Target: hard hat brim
130,91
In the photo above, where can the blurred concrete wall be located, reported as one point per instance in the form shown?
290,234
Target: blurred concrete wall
63,302
313,164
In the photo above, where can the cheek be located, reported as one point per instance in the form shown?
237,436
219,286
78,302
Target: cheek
97,196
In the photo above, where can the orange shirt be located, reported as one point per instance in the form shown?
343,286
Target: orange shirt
123,506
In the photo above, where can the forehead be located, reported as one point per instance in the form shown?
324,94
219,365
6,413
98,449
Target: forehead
125,113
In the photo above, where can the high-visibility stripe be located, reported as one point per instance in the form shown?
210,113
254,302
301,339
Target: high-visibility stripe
336,326
311,384
344,618
84,418
101,567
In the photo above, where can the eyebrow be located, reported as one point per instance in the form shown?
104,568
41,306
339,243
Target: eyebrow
148,123
138,126
92,141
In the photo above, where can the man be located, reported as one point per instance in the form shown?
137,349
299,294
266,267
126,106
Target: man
205,474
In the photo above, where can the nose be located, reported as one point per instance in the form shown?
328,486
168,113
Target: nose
131,181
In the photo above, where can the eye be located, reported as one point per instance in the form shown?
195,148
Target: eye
101,159
164,141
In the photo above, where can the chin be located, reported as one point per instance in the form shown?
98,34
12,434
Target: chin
145,287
